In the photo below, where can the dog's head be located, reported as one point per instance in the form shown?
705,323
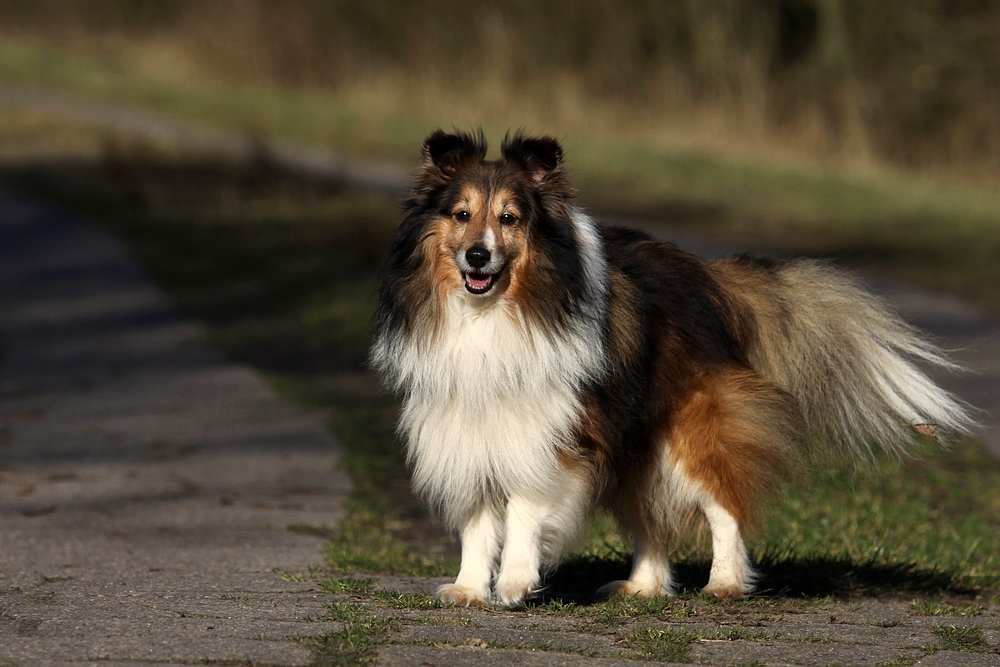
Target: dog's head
484,213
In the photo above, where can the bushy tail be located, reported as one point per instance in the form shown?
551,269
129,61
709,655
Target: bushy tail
850,362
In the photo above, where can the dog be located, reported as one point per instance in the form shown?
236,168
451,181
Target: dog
550,366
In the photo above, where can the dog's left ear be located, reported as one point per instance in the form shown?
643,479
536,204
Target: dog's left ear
443,155
448,152
539,156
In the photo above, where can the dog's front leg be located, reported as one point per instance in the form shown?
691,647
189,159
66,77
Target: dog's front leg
521,562
480,536
539,528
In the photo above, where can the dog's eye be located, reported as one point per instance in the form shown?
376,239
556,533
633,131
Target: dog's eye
508,219
462,216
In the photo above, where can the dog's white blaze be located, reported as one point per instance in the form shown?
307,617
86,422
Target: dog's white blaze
490,239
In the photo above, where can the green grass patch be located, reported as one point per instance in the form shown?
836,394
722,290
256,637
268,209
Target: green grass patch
927,524
552,606
899,662
357,642
742,634
936,608
350,585
620,608
404,600
365,545
662,644
967,638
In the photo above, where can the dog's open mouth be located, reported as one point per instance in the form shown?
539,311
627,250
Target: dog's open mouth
480,283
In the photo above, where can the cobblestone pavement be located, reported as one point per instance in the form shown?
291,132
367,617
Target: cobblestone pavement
753,632
151,493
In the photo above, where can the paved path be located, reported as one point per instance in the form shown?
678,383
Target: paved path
148,486
779,632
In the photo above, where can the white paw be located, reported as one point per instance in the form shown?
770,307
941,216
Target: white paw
723,592
461,596
633,588
514,585
728,588
730,583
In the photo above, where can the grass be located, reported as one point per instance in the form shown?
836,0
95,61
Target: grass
356,643
937,608
366,545
351,585
661,644
313,117
966,638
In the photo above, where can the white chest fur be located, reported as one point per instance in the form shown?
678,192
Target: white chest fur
491,400
491,397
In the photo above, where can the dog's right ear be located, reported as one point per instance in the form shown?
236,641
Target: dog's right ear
446,153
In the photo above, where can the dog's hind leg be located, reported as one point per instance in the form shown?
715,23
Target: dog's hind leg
732,576
480,536
732,436
650,575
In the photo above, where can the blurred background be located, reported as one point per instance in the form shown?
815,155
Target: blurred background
912,84
252,155
869,126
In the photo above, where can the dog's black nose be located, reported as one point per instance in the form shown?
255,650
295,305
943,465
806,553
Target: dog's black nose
477,257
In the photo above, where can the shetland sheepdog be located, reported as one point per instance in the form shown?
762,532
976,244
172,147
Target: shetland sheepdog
550,366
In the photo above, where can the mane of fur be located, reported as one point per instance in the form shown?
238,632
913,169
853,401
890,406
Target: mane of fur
491,393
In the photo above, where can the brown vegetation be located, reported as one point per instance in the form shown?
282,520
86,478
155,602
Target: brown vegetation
914,83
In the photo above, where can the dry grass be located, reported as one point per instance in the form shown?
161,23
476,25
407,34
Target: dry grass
915,84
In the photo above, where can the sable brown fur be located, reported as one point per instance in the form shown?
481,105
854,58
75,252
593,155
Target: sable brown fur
729,428
732,427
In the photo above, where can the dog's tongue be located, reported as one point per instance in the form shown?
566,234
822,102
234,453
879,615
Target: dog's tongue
478,282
